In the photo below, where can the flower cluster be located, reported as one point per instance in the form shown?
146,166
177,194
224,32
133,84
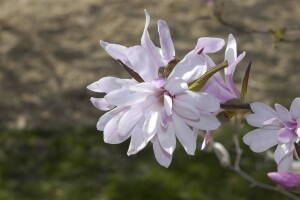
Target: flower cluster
167,98
275,127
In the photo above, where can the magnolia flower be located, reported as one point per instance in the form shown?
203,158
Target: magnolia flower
287,180
223,89
158,107
275,127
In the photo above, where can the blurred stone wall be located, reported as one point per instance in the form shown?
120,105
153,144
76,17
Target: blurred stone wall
49,51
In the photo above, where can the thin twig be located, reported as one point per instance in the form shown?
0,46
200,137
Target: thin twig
236,168
235,106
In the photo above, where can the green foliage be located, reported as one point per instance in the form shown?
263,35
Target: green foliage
76,164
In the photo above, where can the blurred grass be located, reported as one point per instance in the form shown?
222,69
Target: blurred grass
77,164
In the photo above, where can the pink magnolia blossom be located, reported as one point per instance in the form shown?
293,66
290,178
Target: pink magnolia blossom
275,127
286,180
159,109
222,88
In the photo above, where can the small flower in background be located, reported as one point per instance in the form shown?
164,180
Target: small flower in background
275,127
289,181
157,104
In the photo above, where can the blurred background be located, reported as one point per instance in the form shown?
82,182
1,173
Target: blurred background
49,53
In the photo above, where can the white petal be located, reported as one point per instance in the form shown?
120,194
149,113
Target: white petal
184,134
295,108
166,43
151,123
144,87
208,102
137,142
283,113
284,156
104,119
129,119
231,52
111,134
124,97
206,140
116,51
108,84
162,157
229,71
206,121
176,86
285,164
149,46
101,104
167,138
260,140
168,104
210,45
190,68
142,62
262,113
185,110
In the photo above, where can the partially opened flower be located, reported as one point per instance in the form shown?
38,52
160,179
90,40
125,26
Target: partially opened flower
289,181
222,88
157,106
275,127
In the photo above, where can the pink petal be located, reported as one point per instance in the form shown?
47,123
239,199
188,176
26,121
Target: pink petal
159,82
206,121
184,134
295,108
207,102
283,113
142,62
229,71
118,52
166,43
104,119
262,113
260,140
167,138
144,87
287,180
149,46
101,104
110,134
185,109
125,97
108,84
190,68
129,119
285,135
216,89
210,45
162,157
